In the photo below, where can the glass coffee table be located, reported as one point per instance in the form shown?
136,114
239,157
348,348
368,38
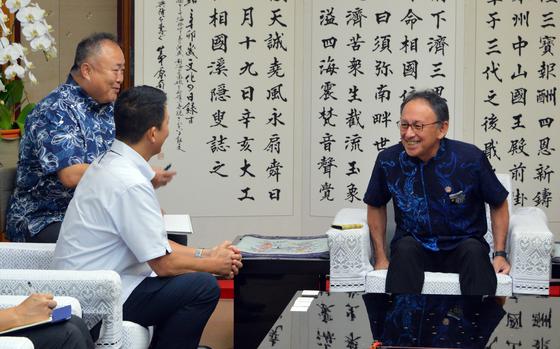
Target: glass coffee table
353,320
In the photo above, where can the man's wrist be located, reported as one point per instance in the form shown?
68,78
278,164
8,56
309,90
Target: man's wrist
199,253
499,254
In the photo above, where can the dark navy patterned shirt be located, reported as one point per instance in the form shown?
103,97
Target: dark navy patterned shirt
66,128
441,202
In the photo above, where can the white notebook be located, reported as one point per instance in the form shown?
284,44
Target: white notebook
178,224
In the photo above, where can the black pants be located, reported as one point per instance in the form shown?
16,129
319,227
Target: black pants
48,234
71,334
409,261
178,307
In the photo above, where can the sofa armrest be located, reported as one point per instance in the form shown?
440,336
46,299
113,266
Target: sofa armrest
530,251
97,291
16,343
350,252
25,255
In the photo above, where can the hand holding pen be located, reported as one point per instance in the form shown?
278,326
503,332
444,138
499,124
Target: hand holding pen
162,177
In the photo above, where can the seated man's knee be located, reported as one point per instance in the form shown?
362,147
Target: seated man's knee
405,246
472,248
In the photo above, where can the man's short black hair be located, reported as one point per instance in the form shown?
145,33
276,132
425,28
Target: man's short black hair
89,47
438,103
137,110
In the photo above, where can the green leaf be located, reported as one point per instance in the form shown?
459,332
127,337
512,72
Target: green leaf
23,115
5,118
14,90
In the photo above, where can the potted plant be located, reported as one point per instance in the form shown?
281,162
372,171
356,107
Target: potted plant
14,105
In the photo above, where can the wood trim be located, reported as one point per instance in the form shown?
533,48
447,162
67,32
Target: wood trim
125,34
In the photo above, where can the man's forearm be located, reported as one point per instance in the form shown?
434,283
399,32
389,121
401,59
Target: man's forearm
499,216
377,222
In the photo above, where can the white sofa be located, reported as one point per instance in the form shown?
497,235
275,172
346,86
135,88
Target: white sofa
98,292
529,245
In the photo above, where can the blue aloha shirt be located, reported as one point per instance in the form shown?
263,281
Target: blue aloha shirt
66,128
440,203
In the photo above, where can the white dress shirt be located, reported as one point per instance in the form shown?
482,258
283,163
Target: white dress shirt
114,220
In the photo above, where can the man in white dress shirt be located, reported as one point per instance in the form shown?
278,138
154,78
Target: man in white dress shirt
114,222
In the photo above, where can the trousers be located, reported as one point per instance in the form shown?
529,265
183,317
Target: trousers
409,261
178,307
71,334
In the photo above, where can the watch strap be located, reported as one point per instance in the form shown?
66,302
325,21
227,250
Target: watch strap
499,254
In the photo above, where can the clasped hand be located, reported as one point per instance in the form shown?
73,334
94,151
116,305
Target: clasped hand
228,259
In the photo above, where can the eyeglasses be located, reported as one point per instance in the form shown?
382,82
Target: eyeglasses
416,126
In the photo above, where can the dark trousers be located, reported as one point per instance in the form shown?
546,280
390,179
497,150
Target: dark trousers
409,261
71,334
48,234
178,307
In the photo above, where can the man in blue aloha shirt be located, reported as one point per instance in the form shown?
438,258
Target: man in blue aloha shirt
65,132
439,187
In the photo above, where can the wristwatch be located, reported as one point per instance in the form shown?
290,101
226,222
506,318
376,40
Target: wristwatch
499,254
198,252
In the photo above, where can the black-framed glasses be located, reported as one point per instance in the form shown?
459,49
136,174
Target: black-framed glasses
416,126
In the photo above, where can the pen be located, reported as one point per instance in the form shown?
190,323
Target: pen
31,289
347,226
167,167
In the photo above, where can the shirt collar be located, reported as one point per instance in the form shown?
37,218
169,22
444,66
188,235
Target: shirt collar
127,152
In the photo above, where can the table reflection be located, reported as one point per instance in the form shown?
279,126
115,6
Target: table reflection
438,321
356,320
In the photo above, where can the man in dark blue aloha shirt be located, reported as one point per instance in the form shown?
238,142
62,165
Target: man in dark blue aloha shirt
439,187
65,132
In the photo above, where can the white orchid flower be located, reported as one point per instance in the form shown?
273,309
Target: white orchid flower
30,14
14,70
32,78
33,30
4,42
42,43
51,53
10,54
3,19
14,5
2,87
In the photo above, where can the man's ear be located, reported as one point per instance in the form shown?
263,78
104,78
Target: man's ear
86,70
151,134
444,127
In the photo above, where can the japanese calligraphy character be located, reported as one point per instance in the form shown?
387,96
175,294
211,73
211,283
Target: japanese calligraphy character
219,42
521,19
517,146
493,19
353,142
437,44
382,43
382,118
353,118
493,47
275,69
544,147
410,68
519,73
543,174
275,93
518,172
218,117
438,17
245,144
327,142
326,164
353,92
247,16
273,145
409,45
274,335
274,119
273,169
353,169
546,70
355,17
382,17
355,42
548,20
328,91
218,67
219,93
326,190
329,42
519,198
245,169
354,66
326,115
247,42
275,41
218,144
216,169
246,118
246,68
490,123
274,194
275,19
328,66
514,320
543,198
517,121
490,149
519,45
493,70
246,196
411,18
327,17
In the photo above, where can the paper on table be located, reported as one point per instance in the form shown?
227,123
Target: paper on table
178,223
